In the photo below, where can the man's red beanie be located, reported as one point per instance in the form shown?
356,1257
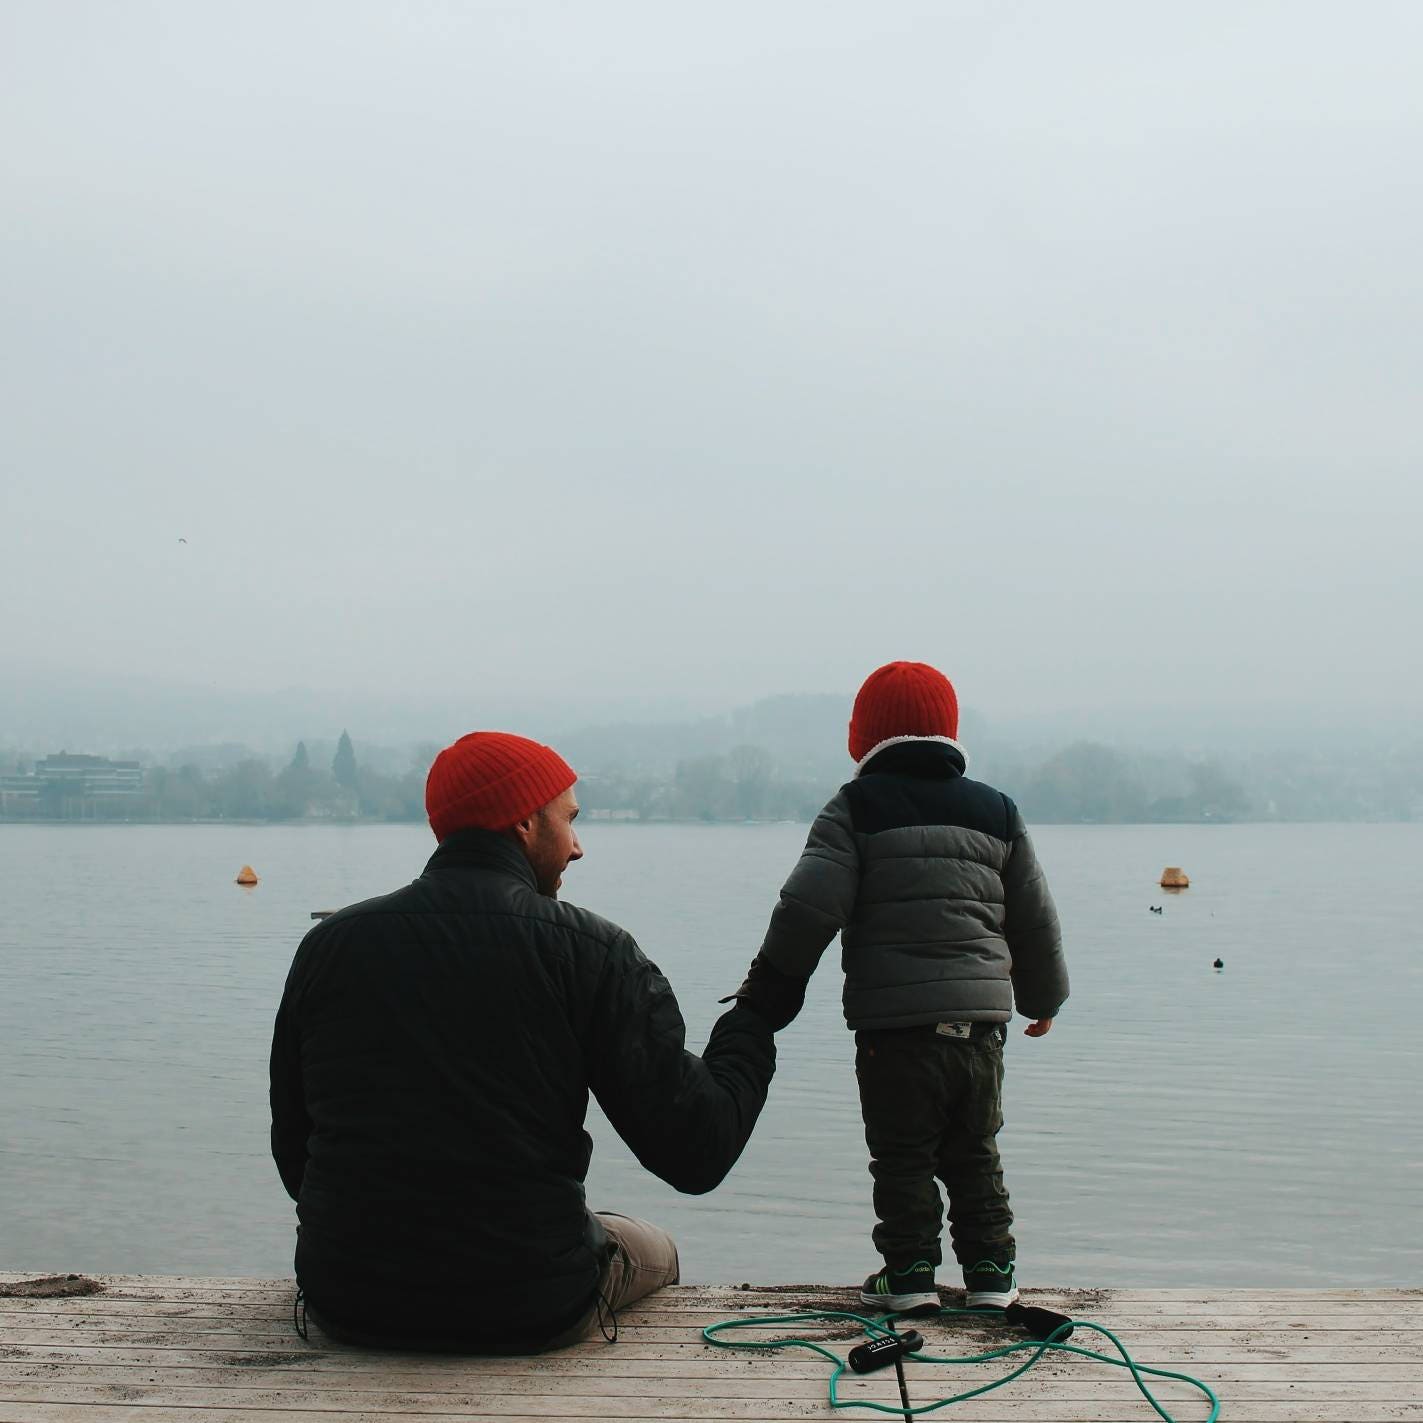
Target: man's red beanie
902,699
490,779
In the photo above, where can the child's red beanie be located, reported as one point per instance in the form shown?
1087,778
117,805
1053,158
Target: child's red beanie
488,780
902,699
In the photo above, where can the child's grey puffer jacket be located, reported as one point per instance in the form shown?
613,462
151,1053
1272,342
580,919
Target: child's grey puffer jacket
943,909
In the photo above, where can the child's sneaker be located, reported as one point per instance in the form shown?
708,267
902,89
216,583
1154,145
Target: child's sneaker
912,1287
989,1286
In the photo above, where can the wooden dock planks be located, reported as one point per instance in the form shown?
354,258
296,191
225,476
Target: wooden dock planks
150,1349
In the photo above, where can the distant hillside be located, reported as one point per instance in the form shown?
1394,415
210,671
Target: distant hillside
804,733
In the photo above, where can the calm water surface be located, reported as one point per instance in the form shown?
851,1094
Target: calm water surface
1179,1126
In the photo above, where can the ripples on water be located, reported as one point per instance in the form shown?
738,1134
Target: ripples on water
1178,1127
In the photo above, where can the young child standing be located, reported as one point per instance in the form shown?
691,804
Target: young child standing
946,922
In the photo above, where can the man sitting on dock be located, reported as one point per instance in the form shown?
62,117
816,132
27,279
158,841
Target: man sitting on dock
430,1071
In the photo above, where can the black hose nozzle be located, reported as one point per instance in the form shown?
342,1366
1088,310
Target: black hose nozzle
1040,1323
887,1349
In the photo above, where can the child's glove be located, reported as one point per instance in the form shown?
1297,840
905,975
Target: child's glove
775,996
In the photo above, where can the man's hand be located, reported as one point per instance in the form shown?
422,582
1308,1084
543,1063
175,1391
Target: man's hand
1040,1029
775,996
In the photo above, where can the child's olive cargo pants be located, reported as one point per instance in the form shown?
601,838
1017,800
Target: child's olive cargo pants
932,1103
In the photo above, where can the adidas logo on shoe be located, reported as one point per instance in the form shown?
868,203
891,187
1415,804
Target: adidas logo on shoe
894,1290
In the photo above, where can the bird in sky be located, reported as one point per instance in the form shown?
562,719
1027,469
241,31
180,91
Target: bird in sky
182,541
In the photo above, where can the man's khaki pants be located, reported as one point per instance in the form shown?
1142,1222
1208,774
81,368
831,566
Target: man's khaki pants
643,1258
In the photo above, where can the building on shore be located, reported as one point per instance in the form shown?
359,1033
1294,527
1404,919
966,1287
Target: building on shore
68,786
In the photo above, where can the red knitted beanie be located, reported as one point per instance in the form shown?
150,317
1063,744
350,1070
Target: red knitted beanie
902,699
490,779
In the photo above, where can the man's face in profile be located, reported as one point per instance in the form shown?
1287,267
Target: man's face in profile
552,843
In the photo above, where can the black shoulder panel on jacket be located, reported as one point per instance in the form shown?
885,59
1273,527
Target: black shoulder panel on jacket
890,802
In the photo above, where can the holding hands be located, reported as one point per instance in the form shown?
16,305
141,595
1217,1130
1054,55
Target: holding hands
774,996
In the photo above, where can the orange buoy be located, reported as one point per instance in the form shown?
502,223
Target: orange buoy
1174,877
246,875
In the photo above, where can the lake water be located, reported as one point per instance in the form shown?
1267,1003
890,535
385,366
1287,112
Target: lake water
1180,1126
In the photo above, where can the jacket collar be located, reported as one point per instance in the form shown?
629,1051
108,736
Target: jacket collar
933,757
483,850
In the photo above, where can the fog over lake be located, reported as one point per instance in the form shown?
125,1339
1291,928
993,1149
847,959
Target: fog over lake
433,366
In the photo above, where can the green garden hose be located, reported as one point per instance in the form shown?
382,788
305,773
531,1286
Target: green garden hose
879,1328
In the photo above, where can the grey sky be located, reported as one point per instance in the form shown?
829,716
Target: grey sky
617,351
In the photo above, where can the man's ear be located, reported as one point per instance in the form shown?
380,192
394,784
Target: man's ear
521,830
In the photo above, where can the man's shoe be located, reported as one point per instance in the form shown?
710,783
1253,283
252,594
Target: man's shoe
897,1290
989,1286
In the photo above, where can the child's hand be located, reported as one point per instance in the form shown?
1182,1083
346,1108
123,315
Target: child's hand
776,996
1039,1029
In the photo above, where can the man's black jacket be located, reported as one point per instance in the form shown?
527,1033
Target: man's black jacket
430,1072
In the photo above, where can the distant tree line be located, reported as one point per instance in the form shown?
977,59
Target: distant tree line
1088,782
741,784
252,790
1083,783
